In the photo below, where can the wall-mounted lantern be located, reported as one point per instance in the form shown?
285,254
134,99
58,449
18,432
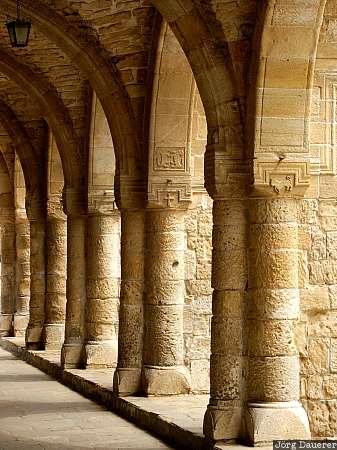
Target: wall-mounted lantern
18,29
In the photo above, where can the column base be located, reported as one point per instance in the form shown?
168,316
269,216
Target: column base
100,354
6,325
53,336
166,380
127,381
266,422
33,337
223,422
71,356
20,324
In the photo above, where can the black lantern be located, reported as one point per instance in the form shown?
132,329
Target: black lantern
18,30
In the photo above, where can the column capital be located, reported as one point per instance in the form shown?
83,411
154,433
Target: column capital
280,178
74,201
35,205
101,202
225,177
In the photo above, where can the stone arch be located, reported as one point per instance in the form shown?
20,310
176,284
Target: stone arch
56,114
6,188
177,144
25,150
282,67
213,73
103,77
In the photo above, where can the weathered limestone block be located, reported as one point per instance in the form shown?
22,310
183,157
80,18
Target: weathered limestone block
38,283
7,278
103,279
72,349
275,275
164,371
127,376
22,277
53,330
223,418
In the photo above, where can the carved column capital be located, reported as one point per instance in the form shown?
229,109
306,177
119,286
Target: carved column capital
225,177
280,178
74,201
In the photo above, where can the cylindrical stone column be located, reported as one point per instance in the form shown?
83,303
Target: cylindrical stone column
274,411
72,349
56,245
223,417
22,276
103,281
7,278
164,370
37,282
127,377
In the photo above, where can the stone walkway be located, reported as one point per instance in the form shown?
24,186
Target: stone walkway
39,413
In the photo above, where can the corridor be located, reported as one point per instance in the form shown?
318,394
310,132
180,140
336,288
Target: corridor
39,413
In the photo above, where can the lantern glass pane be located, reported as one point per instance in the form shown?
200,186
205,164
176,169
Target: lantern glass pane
11,32
22,33
18,31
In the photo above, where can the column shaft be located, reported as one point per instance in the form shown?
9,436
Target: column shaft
76,292
223,417
273,383
127,377
103,281
37,284
7,278
53,330
164,371
22,276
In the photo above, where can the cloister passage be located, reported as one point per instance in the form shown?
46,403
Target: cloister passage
168,211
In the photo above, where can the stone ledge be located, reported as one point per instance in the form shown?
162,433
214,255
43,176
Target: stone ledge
79,381
96,384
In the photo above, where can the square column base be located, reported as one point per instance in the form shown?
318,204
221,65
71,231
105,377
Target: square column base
71,356
6,325
100,354
159,380
266,422
127,381
223,423
20,324
53,336
33,337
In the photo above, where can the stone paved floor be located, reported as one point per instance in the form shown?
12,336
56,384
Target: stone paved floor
39,413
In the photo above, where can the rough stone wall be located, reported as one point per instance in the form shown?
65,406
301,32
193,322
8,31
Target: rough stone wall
198,300
317,329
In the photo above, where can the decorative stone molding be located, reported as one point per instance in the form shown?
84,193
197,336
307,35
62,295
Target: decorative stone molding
170,195
224,177
280,178
101,202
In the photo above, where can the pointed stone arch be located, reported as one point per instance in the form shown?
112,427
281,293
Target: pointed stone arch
54,111
103,77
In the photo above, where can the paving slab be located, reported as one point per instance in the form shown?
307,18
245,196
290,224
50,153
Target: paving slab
37,412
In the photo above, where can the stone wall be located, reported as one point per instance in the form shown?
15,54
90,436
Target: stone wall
317,329
198,300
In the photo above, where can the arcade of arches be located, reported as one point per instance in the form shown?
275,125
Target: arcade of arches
168,202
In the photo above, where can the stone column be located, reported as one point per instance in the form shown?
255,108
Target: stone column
72,349
127,377
22,276
164,371
223,417
103,280
37,281
7,278
274,411
56,246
